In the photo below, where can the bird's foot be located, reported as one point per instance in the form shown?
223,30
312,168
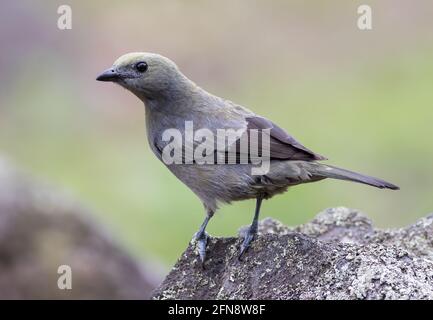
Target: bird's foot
249,237
201,239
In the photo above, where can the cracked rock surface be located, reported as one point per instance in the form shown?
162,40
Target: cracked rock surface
338,255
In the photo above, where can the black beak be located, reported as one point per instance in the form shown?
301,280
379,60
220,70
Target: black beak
108,75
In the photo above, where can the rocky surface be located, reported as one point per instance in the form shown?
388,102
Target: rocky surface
41,229
338,255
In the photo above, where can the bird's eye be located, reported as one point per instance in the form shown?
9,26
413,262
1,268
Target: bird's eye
141,66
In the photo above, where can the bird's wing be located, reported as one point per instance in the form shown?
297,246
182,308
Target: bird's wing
282,145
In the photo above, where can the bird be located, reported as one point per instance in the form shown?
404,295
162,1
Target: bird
171,100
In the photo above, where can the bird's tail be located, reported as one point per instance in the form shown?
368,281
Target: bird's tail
328,171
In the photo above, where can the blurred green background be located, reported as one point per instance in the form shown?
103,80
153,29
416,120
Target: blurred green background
362,98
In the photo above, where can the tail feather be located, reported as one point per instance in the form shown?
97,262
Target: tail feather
343,174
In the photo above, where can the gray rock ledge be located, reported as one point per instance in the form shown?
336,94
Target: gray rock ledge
338,255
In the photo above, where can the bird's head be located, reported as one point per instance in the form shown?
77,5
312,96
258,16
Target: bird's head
149,76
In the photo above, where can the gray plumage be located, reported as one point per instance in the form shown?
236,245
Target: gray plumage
171,99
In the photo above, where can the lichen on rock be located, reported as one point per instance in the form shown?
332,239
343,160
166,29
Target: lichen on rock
338,255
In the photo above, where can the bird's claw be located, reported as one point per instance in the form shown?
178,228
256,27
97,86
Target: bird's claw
201,239
249,237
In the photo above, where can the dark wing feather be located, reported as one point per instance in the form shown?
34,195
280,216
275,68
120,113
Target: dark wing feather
282,145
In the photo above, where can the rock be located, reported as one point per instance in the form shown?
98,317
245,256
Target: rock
41,229
338,255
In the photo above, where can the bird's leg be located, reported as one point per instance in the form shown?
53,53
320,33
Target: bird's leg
202,237
252,230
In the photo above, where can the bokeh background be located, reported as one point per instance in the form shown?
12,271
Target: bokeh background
362,98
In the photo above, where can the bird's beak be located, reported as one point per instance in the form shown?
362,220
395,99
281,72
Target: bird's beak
109,75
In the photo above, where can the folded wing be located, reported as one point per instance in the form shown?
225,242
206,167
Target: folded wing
282,145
